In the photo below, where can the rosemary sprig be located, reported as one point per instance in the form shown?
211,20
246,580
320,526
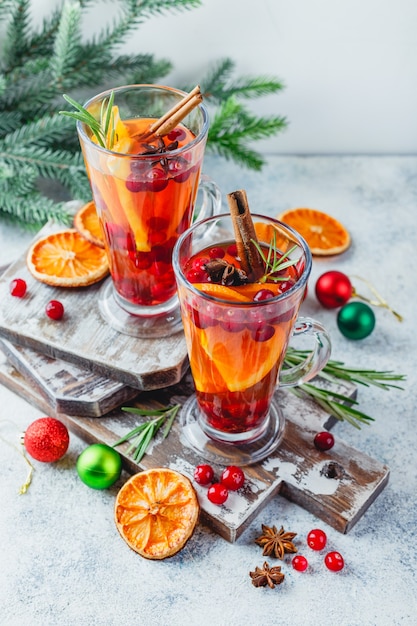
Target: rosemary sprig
274,261
338,405
143,434
103,129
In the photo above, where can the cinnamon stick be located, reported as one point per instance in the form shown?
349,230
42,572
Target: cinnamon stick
163,125
167,122
245,235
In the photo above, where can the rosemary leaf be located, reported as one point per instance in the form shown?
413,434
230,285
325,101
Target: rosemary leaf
143,434
171,415
274,262
338,405
144,442
131,434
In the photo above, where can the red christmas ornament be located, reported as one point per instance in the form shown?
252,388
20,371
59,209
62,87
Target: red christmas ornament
46,439
333,289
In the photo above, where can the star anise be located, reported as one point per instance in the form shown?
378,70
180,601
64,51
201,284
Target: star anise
160,148
266,575
150,148
220,271
276,542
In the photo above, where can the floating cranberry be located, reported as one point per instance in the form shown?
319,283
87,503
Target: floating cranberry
263,334
316,539
177,134
54,309
232,250
203,474
156,180
157,222
18,287
200,262
233,321
334,561
196,276
263,294
232,477
217,493
135,183
200,320
299,563
161,254
286,285
120,239
179,169
216,252
142,260
156,237
324,441
163,291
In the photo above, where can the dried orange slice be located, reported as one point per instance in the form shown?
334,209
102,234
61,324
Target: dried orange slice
324,234
88,225
156,512
66,259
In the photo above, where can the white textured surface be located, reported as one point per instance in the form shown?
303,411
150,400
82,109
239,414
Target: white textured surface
63,561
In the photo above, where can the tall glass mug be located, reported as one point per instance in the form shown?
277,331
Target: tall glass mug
145,191
237,336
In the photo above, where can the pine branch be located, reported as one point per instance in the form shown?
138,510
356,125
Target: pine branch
232,126
138,69
45,131
11,120
67,44
47,161
151,8
36,212
15,46
37,66
220,85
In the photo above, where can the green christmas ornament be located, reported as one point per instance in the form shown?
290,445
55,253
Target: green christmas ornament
99,466
356,320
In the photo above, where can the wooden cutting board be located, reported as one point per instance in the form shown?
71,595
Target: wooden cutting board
68,388
336,486
82,336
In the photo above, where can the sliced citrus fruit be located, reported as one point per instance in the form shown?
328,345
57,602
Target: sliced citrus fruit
156,512
222,292
87,223
324,234
270,235
249,290
66,259
225,350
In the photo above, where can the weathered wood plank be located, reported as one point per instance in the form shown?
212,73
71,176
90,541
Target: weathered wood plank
68,388
82,336
337,486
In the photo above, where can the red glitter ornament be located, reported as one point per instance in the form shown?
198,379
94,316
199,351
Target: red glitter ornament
46,439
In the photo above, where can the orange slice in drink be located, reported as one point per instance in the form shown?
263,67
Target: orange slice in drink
228,351
156,512
67,259
222,292
88,225
324,234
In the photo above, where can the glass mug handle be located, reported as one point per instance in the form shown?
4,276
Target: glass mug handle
315,361
211,199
